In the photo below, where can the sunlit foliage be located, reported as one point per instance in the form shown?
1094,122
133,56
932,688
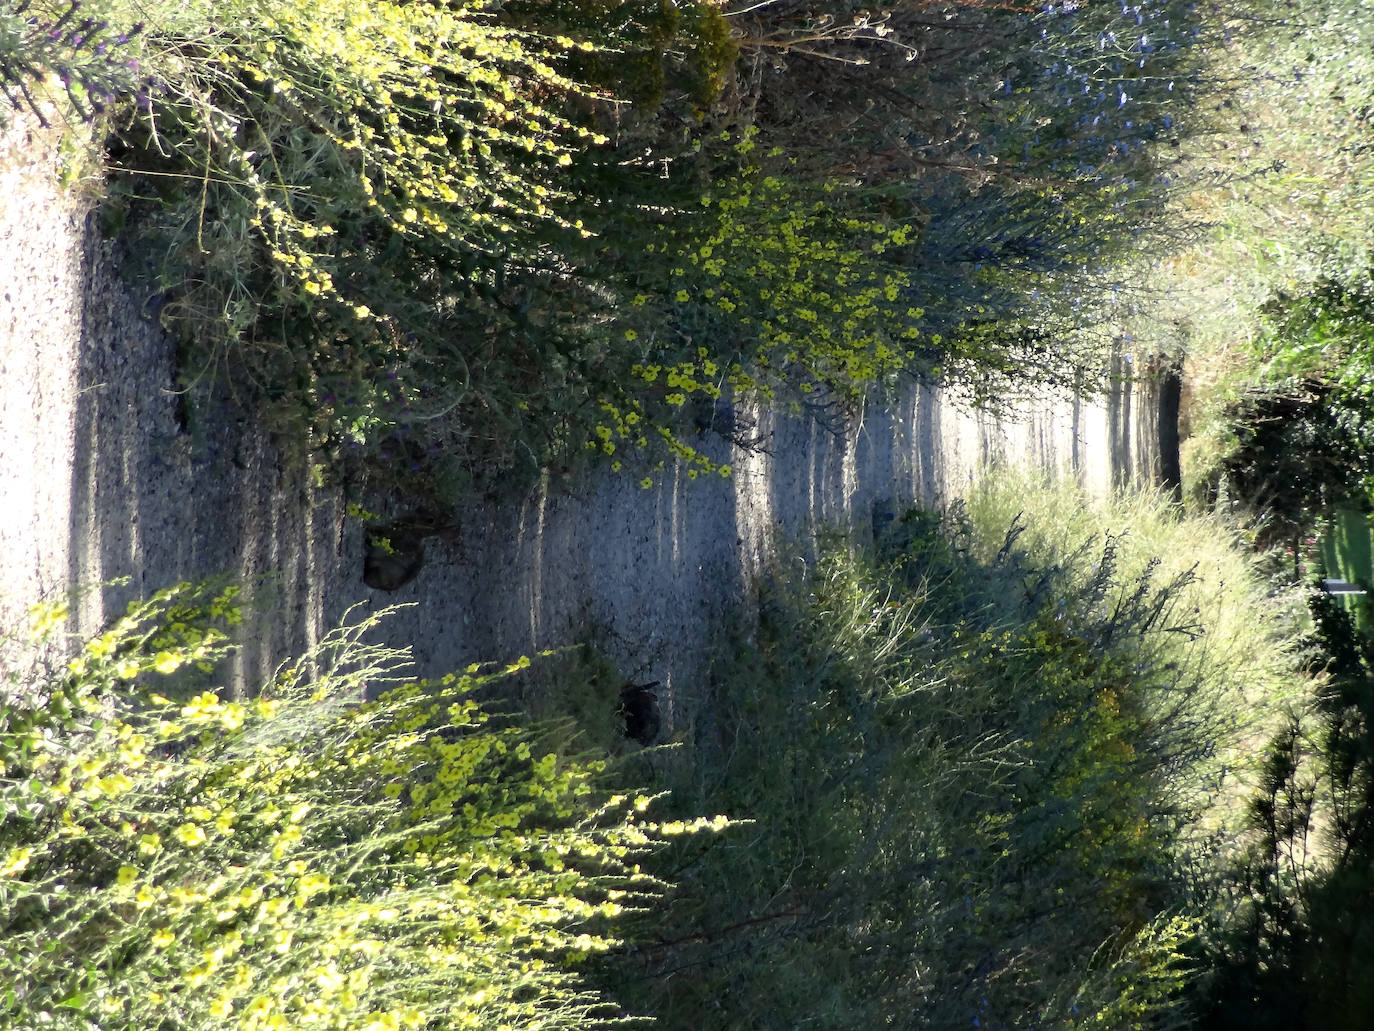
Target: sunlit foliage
172,857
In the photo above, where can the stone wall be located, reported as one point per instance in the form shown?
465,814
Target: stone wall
101,480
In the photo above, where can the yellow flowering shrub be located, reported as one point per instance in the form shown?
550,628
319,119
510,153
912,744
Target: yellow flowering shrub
340,202
174,859
792,285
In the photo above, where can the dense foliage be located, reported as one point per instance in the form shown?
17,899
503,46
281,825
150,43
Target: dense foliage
1299,942
975,762
1305,435
1273,305
978,768
433,244
300,859
455,240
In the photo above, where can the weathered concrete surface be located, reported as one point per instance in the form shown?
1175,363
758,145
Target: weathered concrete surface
98,481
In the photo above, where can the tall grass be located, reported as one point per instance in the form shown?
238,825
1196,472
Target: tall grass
1229,633
984,767
1286,190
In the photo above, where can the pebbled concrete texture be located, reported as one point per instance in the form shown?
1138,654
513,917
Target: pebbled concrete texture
98,480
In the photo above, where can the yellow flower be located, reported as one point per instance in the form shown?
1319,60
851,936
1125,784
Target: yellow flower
288,837
202,705
102,646
311,885
195,978
16,862
329,978
126,669
150,844
43,617
231,717
259,1008
162,938
683,296
190,835
114,785
166,662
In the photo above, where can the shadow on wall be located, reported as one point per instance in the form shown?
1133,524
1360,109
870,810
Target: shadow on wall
139,485
162,490
109,474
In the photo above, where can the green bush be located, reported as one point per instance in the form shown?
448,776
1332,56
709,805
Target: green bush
1294,933
978,765
439,243
174,858
354,212
1298,440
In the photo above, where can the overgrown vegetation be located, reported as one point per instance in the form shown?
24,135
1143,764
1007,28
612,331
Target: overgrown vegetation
998,771
1273,307
173,858
1304,439
983,766
1299,938
999,767
444,243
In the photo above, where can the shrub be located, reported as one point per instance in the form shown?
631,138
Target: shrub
1295,929
416,233
976,764
353,209
175,858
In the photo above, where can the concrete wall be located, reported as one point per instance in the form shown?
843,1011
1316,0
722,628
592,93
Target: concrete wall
99,480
